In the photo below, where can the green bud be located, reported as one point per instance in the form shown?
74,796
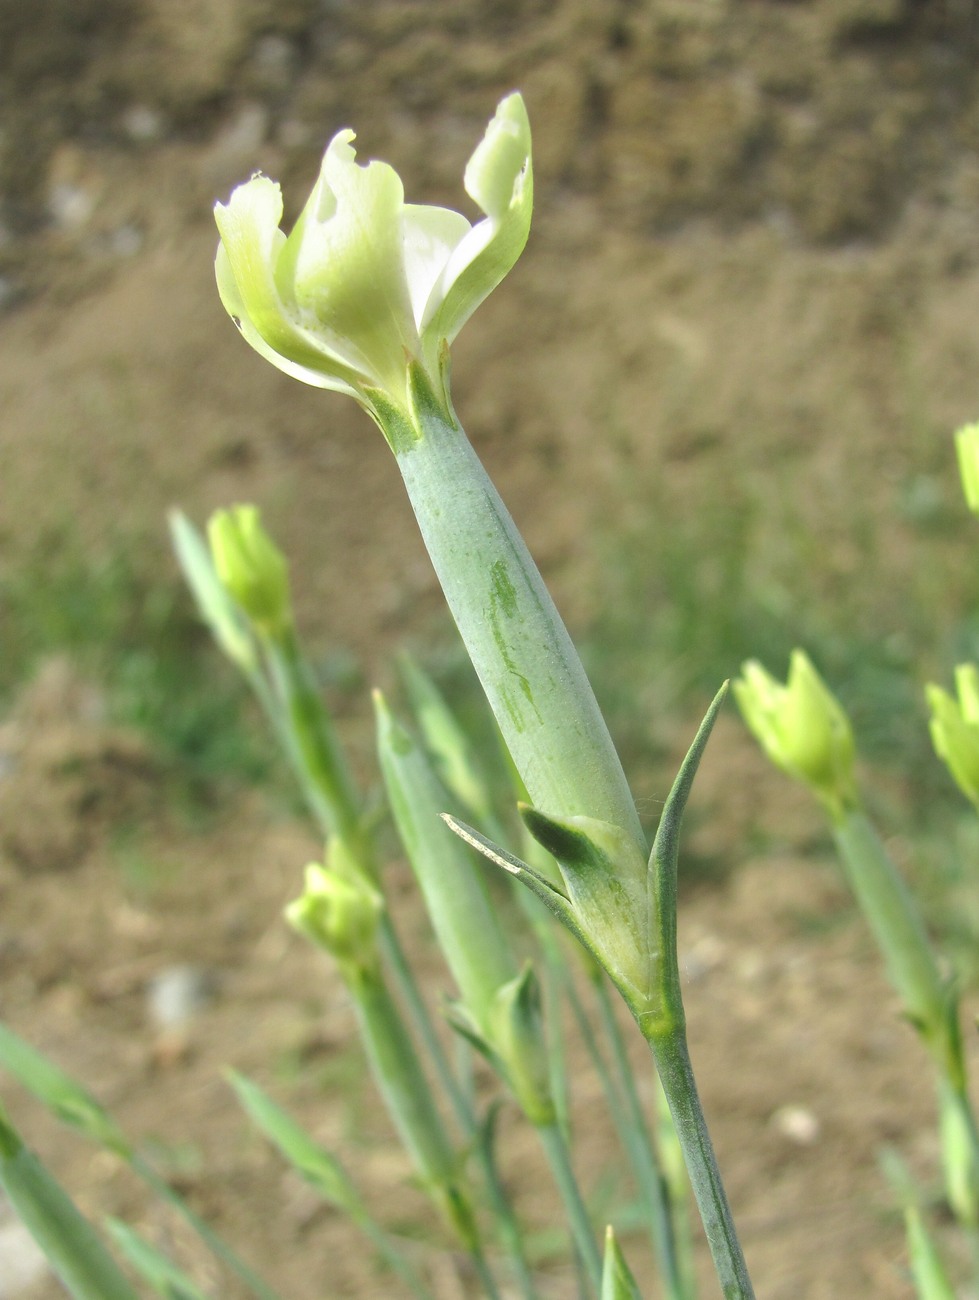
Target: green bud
250,566
802,728
518,1039
954,728
227,623
365,282
339,910
967,449
463,915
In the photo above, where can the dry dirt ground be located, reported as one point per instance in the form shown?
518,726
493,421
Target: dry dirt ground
755,261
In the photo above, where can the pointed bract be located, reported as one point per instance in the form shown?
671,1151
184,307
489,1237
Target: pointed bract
617,1280
606,880
518,1039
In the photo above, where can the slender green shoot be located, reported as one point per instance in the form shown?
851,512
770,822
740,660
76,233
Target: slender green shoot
323,1171
68,1240
166,1279
582,1233
76,1107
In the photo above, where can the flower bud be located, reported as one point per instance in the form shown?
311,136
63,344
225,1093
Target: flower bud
967,449
802,728
250,566
518,1038
954,729
225,619
339,911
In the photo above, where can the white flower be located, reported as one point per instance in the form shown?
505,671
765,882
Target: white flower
366,282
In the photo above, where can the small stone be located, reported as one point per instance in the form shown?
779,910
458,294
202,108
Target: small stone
70,206
798,1124
703,955
125,241
143,124
178,994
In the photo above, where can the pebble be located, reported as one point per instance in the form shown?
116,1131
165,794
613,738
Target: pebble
143,124
179,993
125,241
70,206
798,1124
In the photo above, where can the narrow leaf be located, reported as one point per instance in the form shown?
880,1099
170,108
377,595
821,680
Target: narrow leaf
66,1237
67,1099
154,1267
312,1161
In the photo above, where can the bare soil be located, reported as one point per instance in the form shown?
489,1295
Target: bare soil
755,255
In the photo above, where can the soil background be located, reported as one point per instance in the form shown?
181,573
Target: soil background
755,262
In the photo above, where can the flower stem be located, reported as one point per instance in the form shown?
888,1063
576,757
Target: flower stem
669,1047
401,1081
930,1002
559,1158
642,1153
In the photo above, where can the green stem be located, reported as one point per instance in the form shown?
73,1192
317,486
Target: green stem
896,924
930,1002
559,1159
642,1153
509,1228
507,1225
529,669
555,979
401,1080
308,735
669,1047
395,959
311,741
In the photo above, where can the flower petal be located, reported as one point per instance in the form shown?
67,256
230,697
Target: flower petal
431,236
251,243
499,177
345,262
